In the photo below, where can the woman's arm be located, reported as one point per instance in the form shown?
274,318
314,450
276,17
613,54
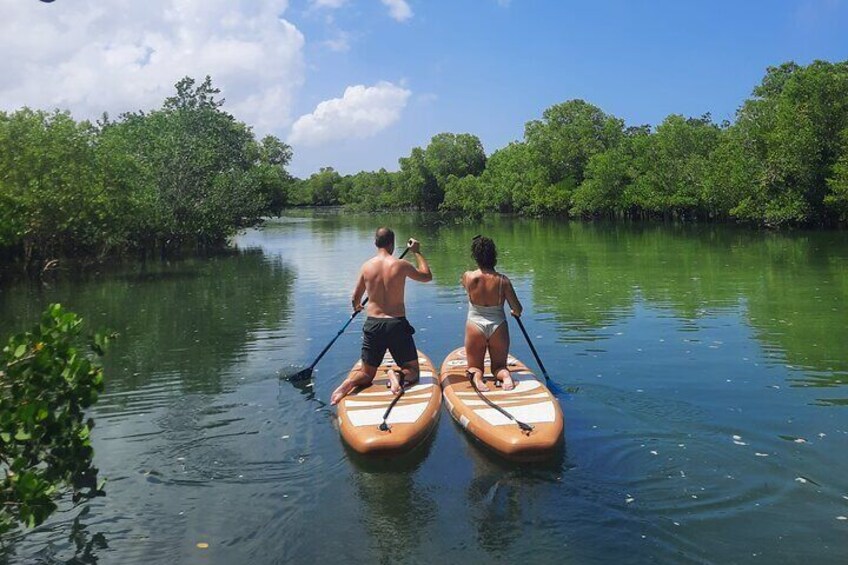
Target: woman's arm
512,298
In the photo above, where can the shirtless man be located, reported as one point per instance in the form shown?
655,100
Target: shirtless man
384,278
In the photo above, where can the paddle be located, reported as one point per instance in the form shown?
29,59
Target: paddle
307,372
552,386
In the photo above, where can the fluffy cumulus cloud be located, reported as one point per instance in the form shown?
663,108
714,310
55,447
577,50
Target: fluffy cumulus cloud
91,56
361,112
398,9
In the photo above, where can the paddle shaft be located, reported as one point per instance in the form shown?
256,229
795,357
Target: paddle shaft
532,348
346,324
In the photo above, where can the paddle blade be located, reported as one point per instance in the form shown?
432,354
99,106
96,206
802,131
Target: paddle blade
303,375
554,388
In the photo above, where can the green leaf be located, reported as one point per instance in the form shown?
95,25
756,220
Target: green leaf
20,350
22,435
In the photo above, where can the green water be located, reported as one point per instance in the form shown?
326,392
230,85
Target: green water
706,421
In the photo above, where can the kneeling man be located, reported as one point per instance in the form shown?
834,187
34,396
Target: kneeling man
384,278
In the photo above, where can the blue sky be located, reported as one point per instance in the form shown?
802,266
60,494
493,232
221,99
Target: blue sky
355,84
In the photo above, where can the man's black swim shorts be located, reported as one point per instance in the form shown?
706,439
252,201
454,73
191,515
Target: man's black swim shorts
394,334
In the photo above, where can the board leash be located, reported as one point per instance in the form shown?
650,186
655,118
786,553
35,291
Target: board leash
525,427
384,427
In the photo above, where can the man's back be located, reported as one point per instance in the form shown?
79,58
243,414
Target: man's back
385,283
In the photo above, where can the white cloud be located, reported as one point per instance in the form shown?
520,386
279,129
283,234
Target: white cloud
361,112
398,9
91,56
340,43
328,3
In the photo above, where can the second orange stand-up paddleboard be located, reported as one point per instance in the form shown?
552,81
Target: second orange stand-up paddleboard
530,402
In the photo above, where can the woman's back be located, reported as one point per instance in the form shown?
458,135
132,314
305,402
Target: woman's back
484,288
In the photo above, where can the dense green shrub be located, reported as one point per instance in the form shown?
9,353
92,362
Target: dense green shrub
46,383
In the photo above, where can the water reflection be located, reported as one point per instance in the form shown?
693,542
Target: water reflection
502,494
398,510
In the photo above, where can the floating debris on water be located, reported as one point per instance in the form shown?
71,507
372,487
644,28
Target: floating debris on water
761,454
654,452
285,437
202,545
842,518
801,480
800,440
737,438
629,499
822,434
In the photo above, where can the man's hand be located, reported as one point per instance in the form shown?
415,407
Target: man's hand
414,245
357,307
516,313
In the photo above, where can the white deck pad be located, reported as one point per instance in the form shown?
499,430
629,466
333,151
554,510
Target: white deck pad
407,414
388,361
425,381
508,401
542,412
524,382
463,362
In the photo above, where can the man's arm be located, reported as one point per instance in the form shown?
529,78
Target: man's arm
358,291
422,273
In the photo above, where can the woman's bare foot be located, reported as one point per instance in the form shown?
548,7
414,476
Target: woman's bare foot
477,376
506,379
343,390
395,380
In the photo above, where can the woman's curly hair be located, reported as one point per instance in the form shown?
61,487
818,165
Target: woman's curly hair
484,252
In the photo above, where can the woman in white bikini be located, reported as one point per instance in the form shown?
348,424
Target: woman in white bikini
486,327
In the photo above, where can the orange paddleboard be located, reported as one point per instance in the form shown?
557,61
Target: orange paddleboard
530,402
413,417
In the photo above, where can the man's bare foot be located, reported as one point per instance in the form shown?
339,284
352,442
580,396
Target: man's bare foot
477,377
506,380
343,390
395,380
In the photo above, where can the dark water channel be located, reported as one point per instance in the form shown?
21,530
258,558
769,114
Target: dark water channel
708,420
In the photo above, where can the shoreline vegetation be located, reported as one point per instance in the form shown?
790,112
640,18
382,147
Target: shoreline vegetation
189,175
185,176
782,162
